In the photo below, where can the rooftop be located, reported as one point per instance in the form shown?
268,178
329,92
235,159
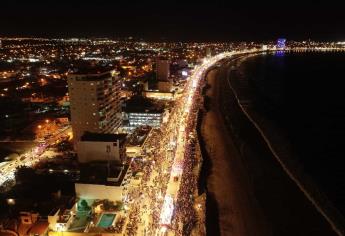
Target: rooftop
92,77
139,135
97,173
39,228
141,104
92,69
98,137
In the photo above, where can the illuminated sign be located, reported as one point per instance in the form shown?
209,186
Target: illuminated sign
281,43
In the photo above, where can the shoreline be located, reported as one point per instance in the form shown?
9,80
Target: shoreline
230,210
259,192
284,157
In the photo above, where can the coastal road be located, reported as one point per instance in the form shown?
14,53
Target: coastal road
32,156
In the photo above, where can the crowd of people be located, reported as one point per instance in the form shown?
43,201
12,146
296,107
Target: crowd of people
147,198
159,151
185,213
133,219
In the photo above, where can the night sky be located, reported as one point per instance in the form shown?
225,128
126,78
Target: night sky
173,20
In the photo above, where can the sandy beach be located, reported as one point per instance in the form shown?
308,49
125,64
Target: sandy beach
249,193
239,214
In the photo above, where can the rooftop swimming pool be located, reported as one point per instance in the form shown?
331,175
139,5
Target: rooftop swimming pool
106,220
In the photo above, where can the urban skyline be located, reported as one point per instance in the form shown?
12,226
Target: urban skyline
171,119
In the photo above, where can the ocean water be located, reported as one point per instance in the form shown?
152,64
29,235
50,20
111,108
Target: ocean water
304,95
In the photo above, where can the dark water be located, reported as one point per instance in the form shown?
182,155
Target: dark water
304,95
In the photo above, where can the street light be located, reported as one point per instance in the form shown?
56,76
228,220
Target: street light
47,121
10,201
39,126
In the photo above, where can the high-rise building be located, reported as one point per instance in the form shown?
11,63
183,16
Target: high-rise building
163,69
94,102
208,52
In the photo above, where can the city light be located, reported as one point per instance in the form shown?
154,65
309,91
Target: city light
281,43
157,194
167,211
11,201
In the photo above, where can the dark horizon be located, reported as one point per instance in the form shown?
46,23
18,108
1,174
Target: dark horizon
173,20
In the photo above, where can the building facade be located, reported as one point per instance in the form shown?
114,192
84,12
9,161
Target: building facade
163,70
94,102
101,147
151,118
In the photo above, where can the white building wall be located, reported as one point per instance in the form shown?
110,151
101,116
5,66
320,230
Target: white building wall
98,151
93,191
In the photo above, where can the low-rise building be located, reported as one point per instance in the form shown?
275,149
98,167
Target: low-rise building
40,228
101,147
165,86
136,141
101,194
103,180
159,95
140,111
27,221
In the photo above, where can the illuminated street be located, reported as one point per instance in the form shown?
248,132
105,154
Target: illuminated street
171,118
162,189
164,202
164,185
33,156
